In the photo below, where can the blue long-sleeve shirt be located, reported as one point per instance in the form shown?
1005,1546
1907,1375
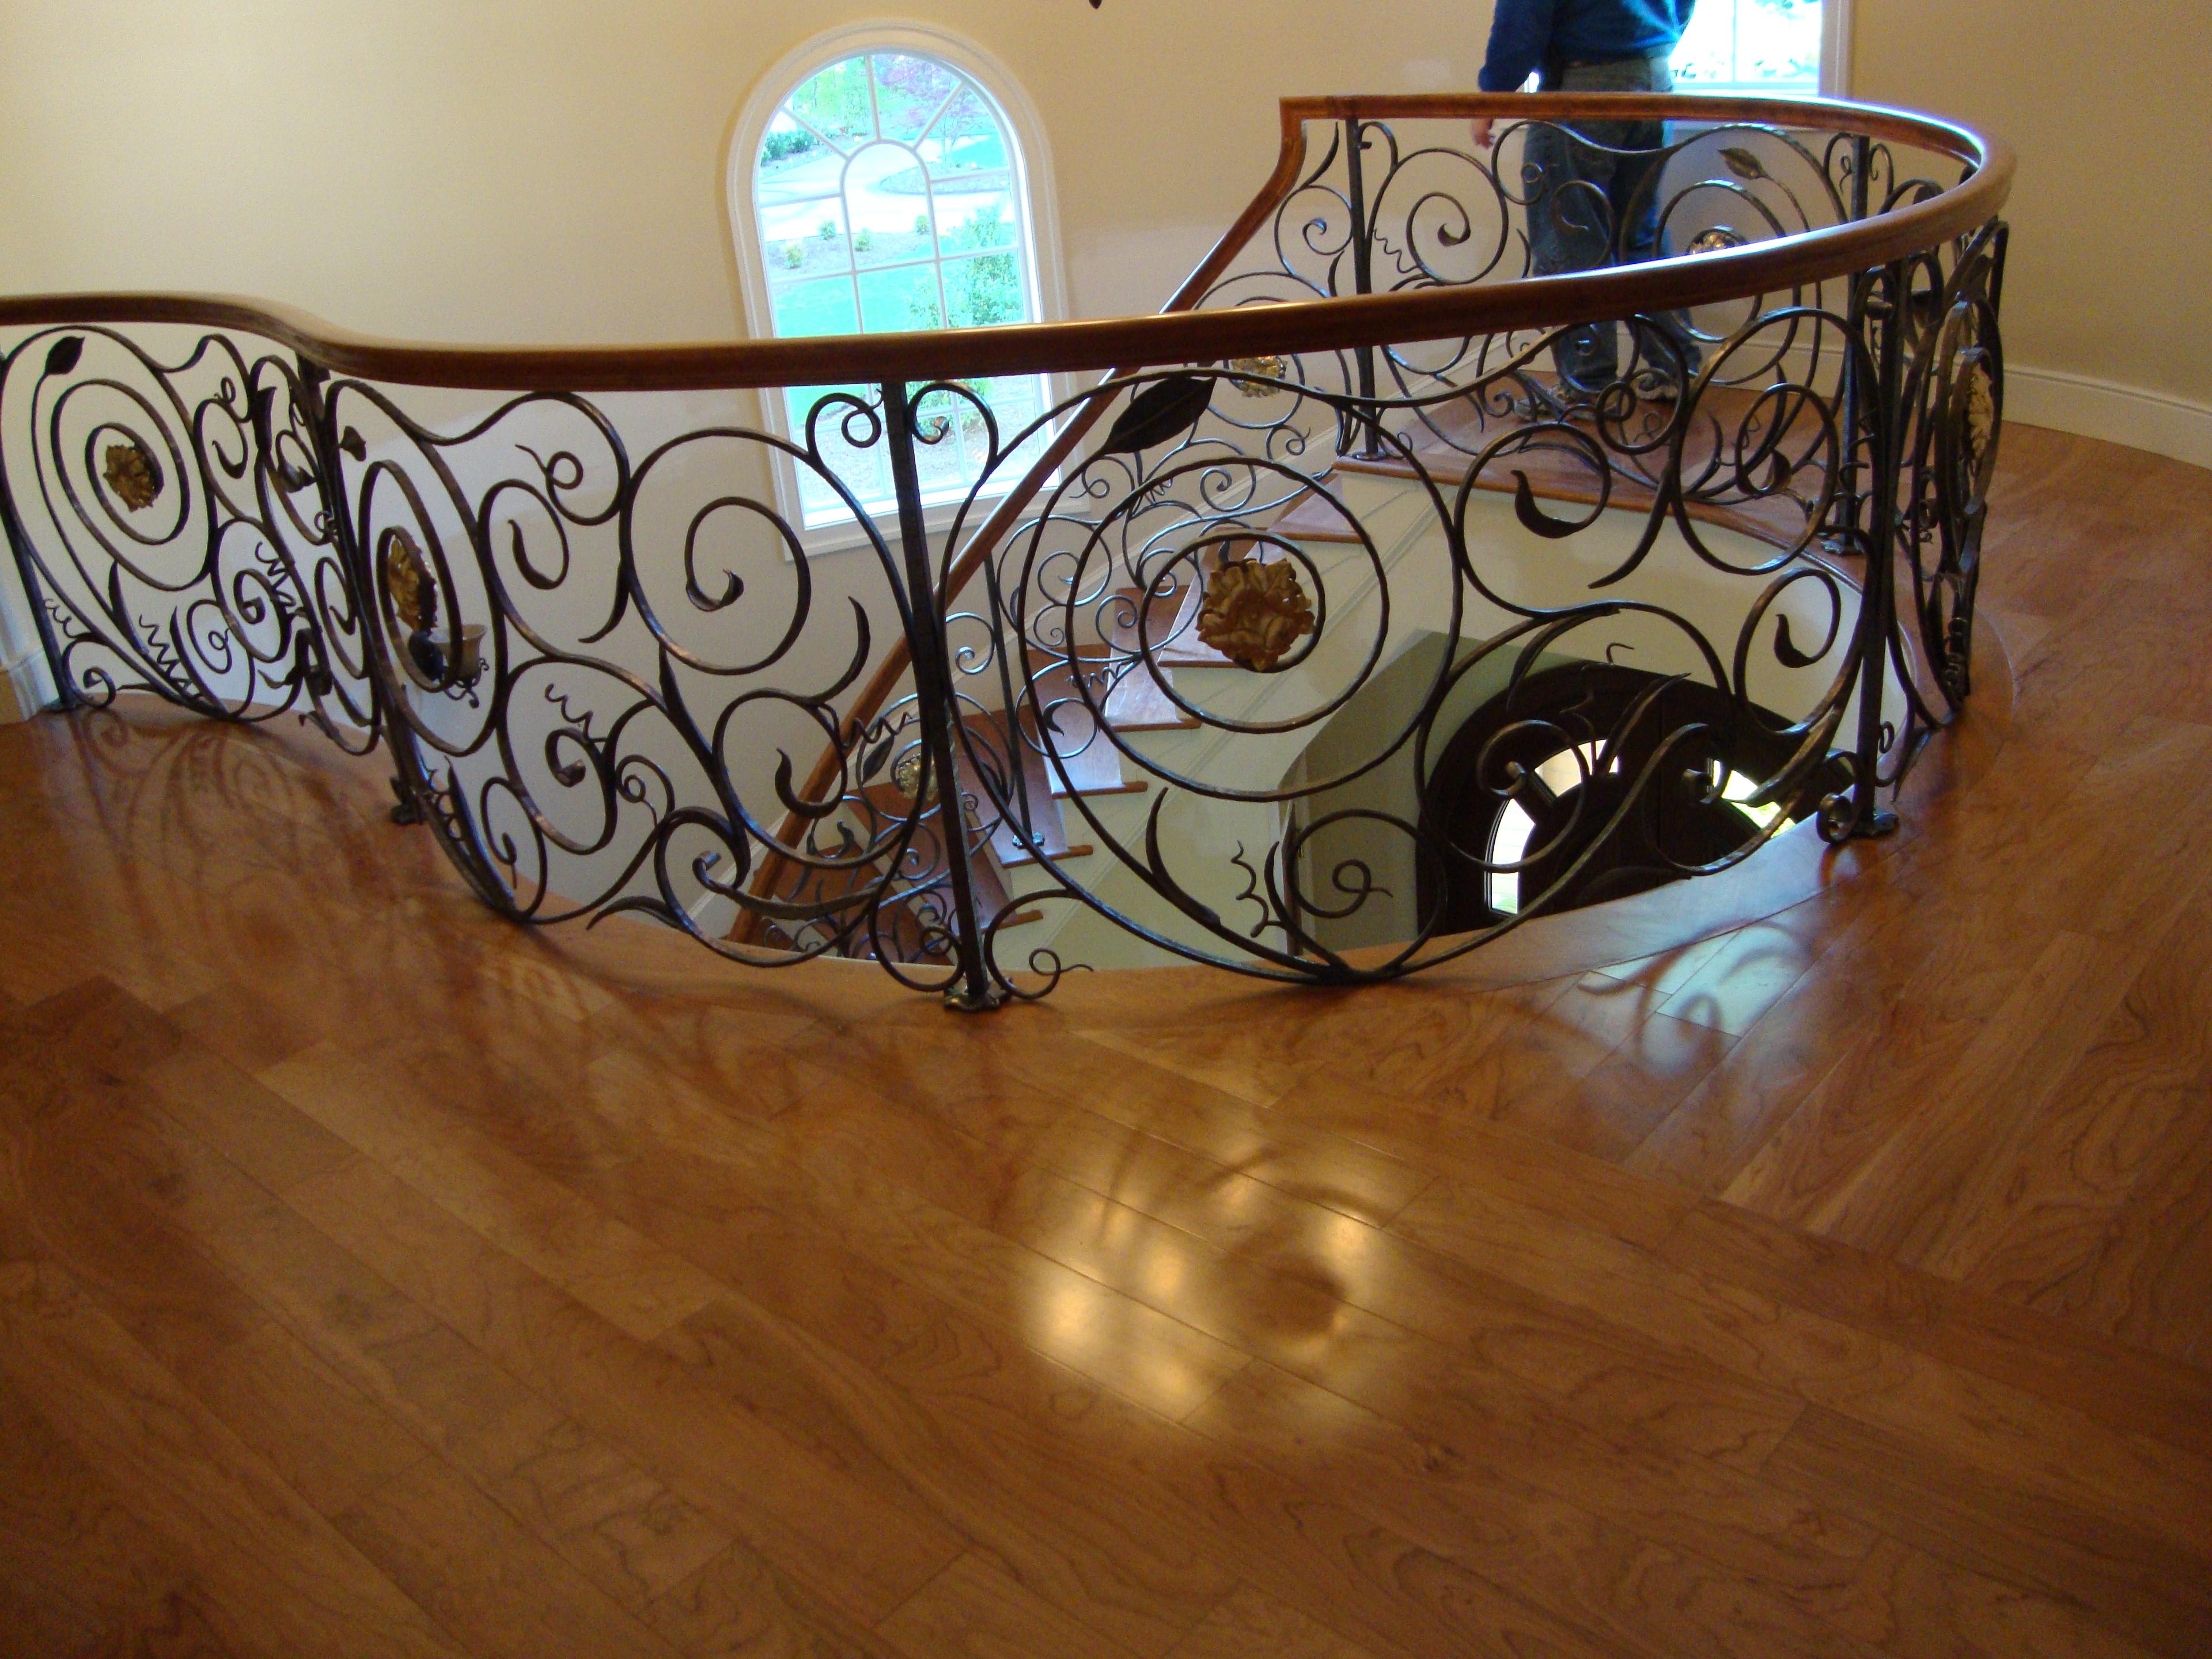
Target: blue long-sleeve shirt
1523,33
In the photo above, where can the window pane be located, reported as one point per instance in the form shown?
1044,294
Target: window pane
893,302
836,103
1762,44
884,197
909,91
794,197
972,225
956,457
786,145
954,443
966,138
983,291
1015,403
1509,844
805,309
864,471
898,243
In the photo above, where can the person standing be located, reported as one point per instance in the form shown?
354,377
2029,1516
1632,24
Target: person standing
1594,199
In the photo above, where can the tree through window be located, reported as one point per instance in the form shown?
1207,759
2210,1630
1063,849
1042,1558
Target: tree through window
889,195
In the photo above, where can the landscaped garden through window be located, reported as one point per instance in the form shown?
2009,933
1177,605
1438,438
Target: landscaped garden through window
888,197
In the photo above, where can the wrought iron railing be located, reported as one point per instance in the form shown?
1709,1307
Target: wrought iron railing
1181,661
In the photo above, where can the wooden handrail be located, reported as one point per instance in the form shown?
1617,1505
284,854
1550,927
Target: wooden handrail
1181,337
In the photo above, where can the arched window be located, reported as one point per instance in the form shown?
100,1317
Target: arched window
887,187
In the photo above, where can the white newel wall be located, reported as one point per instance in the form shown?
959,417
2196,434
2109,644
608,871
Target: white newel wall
25,685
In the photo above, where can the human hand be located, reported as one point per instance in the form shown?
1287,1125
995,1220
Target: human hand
1480,129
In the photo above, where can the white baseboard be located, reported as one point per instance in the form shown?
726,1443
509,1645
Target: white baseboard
25,688
2156,420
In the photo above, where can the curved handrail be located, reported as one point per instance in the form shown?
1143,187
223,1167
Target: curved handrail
1181,336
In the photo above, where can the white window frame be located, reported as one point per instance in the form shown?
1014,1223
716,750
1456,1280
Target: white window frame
1032,167
1835,48
1835,80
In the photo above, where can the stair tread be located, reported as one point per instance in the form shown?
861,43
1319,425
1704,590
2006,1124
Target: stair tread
1089,760
1135,703
1126,787
988,735
818,886
1140,703
1173,643
1023,857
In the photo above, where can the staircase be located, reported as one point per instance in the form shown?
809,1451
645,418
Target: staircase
1098,794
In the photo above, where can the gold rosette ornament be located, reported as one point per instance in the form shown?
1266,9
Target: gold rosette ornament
1260,368
407,578
906,777
1981,410
1255,613
131,476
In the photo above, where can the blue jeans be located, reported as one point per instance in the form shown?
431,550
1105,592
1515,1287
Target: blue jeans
1591,206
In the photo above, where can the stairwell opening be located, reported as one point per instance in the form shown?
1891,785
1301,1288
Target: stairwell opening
1526,793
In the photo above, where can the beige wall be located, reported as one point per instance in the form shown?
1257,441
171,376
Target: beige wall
2108,105
552,169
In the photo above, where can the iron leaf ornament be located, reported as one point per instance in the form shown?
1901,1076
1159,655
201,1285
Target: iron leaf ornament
1159,414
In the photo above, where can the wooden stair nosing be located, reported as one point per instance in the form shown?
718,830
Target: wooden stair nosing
1023,858
1087,790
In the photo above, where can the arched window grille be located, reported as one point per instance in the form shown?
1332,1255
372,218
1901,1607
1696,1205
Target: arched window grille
891,191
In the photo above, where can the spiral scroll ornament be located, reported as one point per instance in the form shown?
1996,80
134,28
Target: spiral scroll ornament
165,508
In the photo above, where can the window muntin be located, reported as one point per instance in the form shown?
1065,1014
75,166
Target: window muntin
1566,772
1769,47
889,195
1562,773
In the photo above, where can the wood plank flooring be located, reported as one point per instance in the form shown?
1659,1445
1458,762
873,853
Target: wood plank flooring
376,1278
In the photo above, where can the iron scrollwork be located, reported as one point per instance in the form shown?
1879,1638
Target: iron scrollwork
1204,690
169,521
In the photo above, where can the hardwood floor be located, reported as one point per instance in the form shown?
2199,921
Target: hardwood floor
379,1279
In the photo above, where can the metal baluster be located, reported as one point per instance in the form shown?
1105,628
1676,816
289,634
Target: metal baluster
1847,511
1878,598
1363,281
411,782
972,988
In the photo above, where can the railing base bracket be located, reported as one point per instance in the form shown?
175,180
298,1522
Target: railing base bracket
408,810
962,1000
